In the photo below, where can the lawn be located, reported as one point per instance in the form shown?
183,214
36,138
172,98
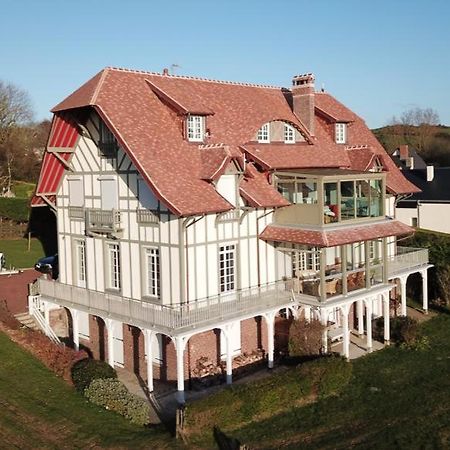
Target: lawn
396,399
23,189
39,410
17,254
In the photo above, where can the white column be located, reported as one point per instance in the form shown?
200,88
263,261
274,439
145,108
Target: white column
324,321
229,353
346,344
270,320
360,313
110,335
387,331
403,295
424,274
369,323
75,329
180,344
148,336
47,313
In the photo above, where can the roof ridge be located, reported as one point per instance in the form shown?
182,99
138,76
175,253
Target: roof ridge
99,85
187,77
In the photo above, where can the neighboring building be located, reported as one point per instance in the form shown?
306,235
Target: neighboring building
191,212
430,208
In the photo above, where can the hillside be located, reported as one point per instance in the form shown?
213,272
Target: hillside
432,142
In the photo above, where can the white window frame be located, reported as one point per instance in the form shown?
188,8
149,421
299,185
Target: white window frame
264,133
195,128
79,248
340,132
152,277
305,260
227,268
113,266
289,134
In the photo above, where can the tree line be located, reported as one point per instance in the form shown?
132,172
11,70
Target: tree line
22,140
420,129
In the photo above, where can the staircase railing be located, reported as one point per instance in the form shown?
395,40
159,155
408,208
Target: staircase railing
36,308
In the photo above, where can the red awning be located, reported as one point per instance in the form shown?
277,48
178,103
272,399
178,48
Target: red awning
334,237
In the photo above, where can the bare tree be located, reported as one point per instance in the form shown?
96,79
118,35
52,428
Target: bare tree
418,126
15,111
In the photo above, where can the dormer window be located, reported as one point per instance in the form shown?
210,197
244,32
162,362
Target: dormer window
264,133
377,166
195,128
289,134
340,133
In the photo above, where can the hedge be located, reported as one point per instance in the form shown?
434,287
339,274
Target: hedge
87,370
14,208
114,396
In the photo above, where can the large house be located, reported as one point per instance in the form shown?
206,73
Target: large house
429,208
191,212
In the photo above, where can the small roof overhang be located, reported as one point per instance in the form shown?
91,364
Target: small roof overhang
331,237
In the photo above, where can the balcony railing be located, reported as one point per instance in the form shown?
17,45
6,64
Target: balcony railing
406,258
102,221
147,216
76,212
252,301
229,216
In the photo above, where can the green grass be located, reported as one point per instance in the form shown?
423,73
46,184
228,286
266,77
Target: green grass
39,410
23,189
397,399
17,254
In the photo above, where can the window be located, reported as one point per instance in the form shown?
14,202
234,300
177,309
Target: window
107,143
306,260
76,192
152,276
195,128
113,262
414,221
341,133
264,133
80,262
108,193
226,268
289,134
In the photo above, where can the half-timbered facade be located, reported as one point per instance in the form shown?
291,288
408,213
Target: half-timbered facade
191,212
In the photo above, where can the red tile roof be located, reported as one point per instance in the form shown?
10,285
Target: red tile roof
333,237
360,158
145,112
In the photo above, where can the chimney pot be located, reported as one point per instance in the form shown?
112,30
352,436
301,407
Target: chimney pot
165,71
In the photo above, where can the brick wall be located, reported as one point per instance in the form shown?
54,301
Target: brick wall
14,289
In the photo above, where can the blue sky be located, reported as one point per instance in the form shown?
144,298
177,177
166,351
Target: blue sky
378,57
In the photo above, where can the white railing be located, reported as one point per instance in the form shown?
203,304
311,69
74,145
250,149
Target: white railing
229,216
76,212
405,259
102,220
36,308
147,216
170,318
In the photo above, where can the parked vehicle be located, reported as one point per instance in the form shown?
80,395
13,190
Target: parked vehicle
48,264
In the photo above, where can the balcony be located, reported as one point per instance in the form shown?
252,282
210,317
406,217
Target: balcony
147,217
167,319
229,216
407,260
102,221
308,282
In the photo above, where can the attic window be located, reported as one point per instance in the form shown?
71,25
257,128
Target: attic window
340,133
289,134
264,133
195,128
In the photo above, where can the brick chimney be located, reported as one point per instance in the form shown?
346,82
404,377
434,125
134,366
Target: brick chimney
303,99
403,151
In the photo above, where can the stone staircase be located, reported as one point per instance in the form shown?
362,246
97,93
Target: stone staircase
28,321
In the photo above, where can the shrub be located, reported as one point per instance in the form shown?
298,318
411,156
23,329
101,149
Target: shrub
87,370
113,395
404,330
305,337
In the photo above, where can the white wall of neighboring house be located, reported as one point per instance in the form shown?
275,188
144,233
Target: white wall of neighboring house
406,215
